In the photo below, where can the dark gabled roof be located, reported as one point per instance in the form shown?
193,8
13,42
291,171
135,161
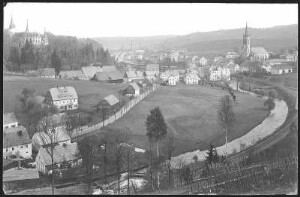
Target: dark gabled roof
9,118
13,137
61,153
111,100
115,75
16,174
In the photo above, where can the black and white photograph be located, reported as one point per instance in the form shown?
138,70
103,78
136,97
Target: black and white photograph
150,98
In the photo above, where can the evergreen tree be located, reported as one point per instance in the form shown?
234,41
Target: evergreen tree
156,127
55,62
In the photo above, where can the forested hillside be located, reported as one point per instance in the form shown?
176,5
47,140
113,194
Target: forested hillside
73,53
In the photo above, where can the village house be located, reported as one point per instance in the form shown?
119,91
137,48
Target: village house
90,71
232,55
273,62
173,79
47,72
219,73
9,120
110,103
195,60
109,76
56,129
233,68
133,75
203,61
16,141
191,78
132,90
72,74
266,67
281,69
64,156
64,98
152,69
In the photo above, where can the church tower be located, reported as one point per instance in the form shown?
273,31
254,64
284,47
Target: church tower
12,26
27,28
246,42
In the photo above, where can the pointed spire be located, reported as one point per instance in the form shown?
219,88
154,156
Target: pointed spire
12,24
27,29
246,30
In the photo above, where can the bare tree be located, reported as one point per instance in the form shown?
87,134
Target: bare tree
87,147
130,157
169,149
225,115
118,151
47,128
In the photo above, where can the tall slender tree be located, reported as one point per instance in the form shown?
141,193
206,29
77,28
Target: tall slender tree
225,115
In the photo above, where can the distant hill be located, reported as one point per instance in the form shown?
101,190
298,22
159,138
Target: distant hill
273,38
134,42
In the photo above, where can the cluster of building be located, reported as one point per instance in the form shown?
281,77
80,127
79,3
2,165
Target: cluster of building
20,38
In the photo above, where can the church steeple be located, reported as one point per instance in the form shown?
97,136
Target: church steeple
27,28
12,24
246,31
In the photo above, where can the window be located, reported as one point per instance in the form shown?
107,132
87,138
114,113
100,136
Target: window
13,125
7,150
26,145
12,148
6,127
21,146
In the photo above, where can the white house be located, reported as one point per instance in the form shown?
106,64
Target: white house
281,69
64,98
132,90
219,73
233,68
267,67
173,79
16,141
9,120
191,78
203,61
231,55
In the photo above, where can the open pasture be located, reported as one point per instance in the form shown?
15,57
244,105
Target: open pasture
89,92
191,115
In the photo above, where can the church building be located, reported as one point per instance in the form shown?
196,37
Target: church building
254,53
20,38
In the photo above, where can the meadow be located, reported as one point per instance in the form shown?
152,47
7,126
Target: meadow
89,92
191,115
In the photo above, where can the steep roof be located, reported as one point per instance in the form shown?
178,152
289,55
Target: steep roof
281,66
131,74
258,50
71,73
62,93
47,71
115,75
41,138
9,118
111,99
13,137
60,153
101,76
90,71
135,86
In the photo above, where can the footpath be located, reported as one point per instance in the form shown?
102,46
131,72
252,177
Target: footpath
269,125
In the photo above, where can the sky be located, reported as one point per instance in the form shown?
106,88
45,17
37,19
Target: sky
145,19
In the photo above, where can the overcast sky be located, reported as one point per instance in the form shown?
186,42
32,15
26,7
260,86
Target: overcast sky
116,19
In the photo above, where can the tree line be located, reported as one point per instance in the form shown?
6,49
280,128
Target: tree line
72,53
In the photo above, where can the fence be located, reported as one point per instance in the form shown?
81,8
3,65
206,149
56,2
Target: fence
120,113
236,179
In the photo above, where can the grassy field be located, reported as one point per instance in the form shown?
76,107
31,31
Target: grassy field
191,115
89,92
287,80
